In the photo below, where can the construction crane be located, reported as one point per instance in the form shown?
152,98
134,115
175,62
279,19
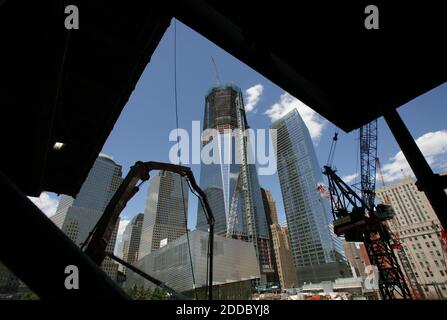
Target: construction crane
442,234
244,173
415,288
233,220
358,219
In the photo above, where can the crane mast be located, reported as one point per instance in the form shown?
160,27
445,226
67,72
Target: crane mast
415,288
358,219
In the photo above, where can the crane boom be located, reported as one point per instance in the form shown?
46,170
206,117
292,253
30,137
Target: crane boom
232,215
368,156
358,222
358,219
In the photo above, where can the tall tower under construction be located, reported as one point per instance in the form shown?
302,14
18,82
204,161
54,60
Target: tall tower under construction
230,181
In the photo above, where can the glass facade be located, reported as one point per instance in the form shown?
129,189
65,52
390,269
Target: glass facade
164,215
230,183
318,253
77,216
234,261
130,242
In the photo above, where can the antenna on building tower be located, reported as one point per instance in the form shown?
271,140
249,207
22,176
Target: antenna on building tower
216,72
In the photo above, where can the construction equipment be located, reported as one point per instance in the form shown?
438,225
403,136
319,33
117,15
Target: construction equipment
248,205
233,220
358,219
416,290
442,234
99,238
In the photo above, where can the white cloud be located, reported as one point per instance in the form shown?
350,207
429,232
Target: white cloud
433,146
350,178
252,97
47,204
122,226
314,122
105,156
119,236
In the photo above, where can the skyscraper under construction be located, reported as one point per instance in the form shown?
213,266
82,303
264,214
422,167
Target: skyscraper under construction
230,181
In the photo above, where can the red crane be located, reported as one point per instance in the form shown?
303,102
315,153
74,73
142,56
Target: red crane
358,219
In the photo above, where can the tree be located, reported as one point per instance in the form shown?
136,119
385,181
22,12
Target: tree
141,293
29,296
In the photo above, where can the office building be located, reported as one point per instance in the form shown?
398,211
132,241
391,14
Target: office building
165,213
269,207
280,243
130,242
317,252
283,257
231,183
76,217
357,258
419,231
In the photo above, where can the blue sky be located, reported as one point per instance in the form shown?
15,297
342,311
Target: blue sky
142,130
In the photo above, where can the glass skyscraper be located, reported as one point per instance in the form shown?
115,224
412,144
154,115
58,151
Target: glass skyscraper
164,215
130,243
231,183
76,217
317,252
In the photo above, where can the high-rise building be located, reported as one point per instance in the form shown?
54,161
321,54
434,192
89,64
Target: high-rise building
418,229
269,207
231,183
283,256
272,221
165,212
130,242
279,235
317,252
76,217
357,257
